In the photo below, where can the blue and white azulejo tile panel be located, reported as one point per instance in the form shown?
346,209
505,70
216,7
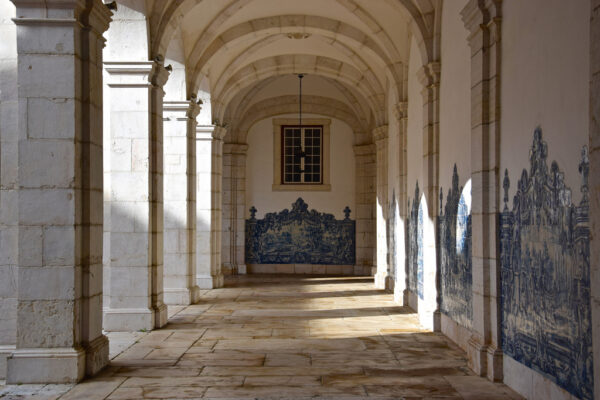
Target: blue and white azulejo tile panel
454,230
300,236
545,266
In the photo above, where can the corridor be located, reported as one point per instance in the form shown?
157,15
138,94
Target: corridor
273,336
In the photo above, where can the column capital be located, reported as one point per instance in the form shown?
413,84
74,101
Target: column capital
401,110
136,73
380,134
364,149
94,14
429,74
219,133
181,110
210,132
235,148
476,15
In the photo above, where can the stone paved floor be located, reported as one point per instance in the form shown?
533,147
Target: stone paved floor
283,337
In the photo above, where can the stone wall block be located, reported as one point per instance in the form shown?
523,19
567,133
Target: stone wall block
47,161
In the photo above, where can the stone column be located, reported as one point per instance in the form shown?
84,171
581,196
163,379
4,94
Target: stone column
382,276
9,168
429,77
234,207
401,285
482,19
216,215
366,197
595,187
180,202
136,199
209,150
59,310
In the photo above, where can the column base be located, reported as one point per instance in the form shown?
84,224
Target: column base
181,297
56,365
129,319
437,321
161,316
389,284
209,281
495,364
5,352
477,356
485,360
381,280
242,269
96,355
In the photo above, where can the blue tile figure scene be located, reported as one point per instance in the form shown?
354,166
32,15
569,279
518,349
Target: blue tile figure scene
545,257
391,233
413,241
420,261
454,229
300,236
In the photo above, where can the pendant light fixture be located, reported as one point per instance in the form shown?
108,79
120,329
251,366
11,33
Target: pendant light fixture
300,76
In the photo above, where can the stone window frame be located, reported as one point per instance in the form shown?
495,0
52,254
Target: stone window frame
325,186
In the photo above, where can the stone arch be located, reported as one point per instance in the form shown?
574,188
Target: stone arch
280,65
274,25
128,38
234,112
289,104
170,18
234,66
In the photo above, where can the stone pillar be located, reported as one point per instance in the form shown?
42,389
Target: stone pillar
482,19
209,150
9,168
216,214
135,266
382,276
401,284
234,207
59,310
180,202
366,197
429,77
595,187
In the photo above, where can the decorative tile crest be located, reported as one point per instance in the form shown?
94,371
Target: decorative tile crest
454,230
300,236
545,266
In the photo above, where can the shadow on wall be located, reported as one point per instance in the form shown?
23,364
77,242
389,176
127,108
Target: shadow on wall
127,248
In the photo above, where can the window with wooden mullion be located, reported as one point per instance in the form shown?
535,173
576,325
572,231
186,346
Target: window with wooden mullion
302,154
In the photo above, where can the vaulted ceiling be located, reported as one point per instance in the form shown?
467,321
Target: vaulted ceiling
233,48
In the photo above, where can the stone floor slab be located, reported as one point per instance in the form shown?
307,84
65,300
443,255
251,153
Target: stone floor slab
284,337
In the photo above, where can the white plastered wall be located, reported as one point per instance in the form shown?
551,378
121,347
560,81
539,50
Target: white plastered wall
455,119
455,97
259,172
545,82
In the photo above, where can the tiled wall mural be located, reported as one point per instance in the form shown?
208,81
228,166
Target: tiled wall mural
300,236
545,259
454,230
392,237
413,241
